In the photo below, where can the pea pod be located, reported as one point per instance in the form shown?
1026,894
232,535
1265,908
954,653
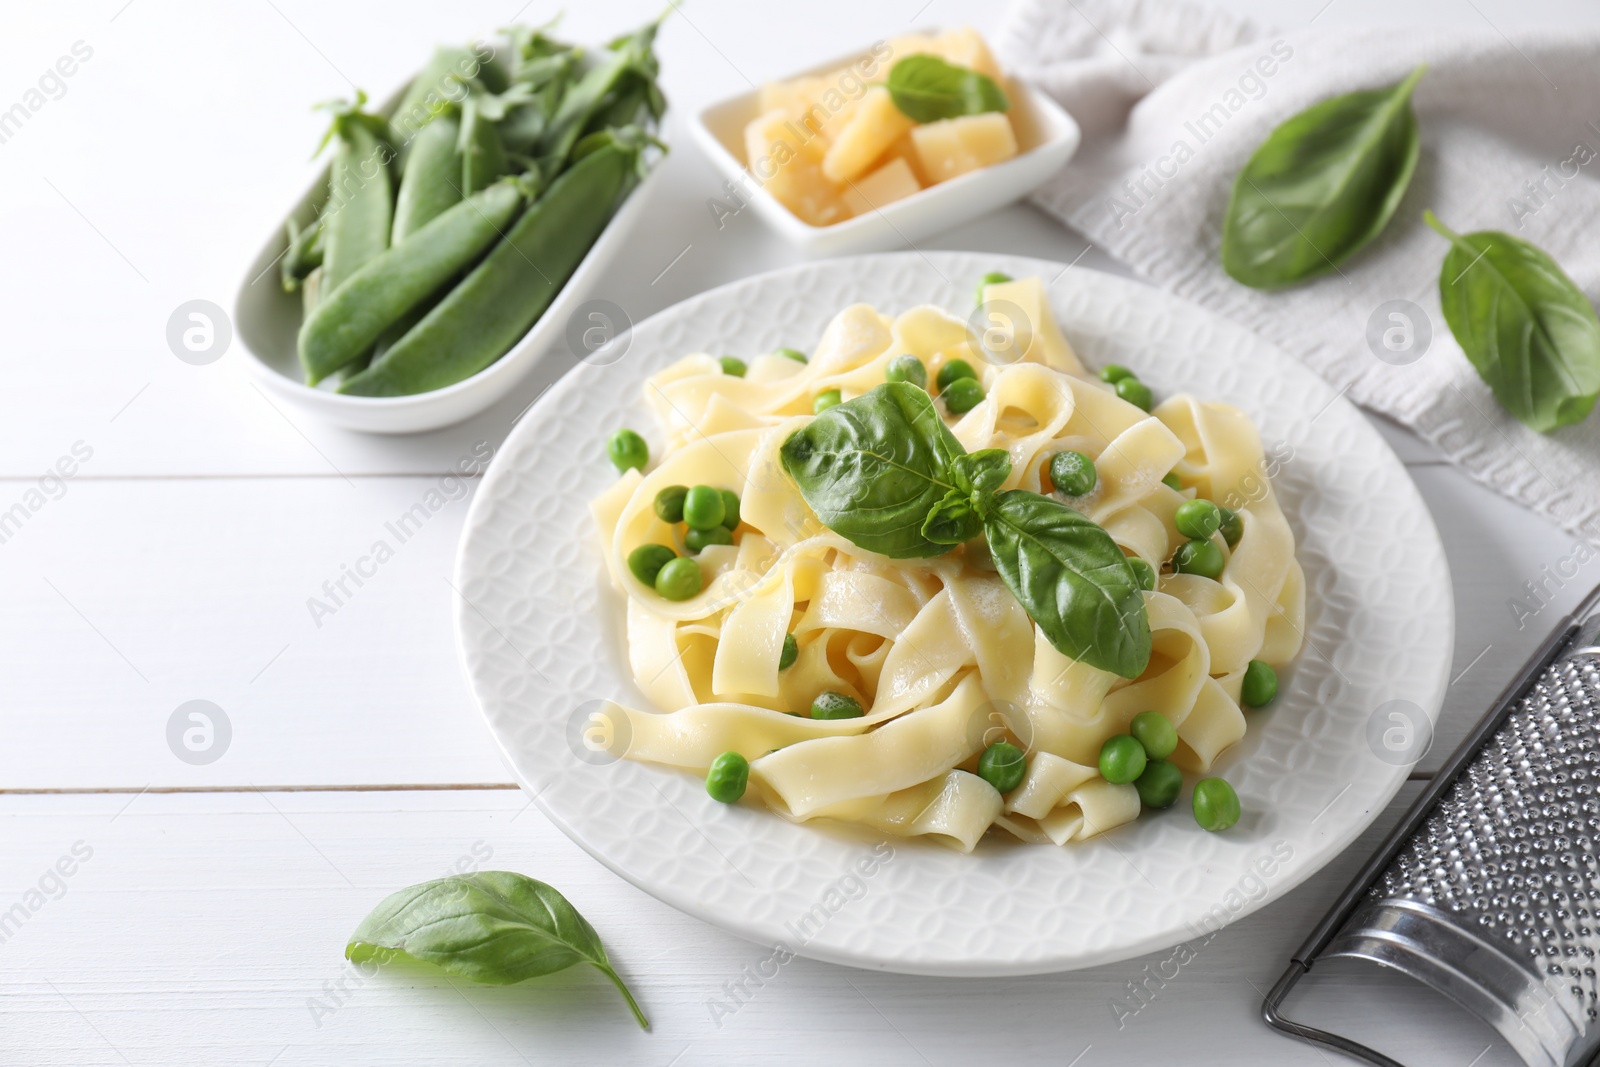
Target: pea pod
442,83
303,255
494,305
483,157
631,54
352,317
356,219
431,184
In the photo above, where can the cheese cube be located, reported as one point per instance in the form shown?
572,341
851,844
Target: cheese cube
890,182
876,125
952,147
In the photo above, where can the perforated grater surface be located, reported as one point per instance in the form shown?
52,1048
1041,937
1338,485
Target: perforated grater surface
1489,889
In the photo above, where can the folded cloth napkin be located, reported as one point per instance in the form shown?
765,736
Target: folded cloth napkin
1174,97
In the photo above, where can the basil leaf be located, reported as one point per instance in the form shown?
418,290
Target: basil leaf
1072,579
981,472
1321,186
927,88
489,926
873,467
953,520
1530,332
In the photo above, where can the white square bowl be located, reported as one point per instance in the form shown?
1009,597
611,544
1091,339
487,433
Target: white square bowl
1046,138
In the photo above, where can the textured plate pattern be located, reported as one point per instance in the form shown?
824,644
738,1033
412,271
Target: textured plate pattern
540,633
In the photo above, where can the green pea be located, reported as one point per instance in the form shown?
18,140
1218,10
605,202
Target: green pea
646,561
1135,392
1198,557
1216,805
1072,473
627,450
962,395
954,371
1122,759
832,705
1171,481
1232,526
1159,785
730,508
1143,572
792,353
994,277
733,365
679,579
1260,684
826,399
669,503
728,777
1115,372
790,653
908,369
1198,519
1155,732
694,540
1002,765
703,508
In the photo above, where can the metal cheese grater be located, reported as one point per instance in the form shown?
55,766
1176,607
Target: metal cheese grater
1489,889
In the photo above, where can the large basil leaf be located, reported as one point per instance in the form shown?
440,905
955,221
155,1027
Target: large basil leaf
1321,186
1529,331
927,88
872,468
489,926
1072,579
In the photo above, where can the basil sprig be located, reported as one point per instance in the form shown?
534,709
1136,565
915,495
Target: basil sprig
1530,332
1321,186
885,472
490,926
927,89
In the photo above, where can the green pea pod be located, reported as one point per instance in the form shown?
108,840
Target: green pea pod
494,305
356,219
441,84
431,184
352,317
303,255
483,157
630,54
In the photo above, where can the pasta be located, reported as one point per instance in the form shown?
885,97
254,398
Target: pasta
939,654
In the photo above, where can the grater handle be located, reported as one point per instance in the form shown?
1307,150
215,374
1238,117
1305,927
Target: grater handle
1283,1024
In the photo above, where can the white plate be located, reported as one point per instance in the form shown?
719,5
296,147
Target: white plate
1046,138
540,633
268,323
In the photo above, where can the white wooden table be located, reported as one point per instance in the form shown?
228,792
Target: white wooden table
207,905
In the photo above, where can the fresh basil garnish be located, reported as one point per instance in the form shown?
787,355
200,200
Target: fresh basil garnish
1072,579
1321,186
1530,332
873,467
884,471
489,926
927,88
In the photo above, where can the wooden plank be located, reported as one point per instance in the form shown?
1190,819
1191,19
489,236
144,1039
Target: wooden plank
208,929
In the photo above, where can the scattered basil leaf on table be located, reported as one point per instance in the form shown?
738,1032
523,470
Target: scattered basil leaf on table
1072,579
490,926
927,88
873,467
1529,331
883,471
1321,186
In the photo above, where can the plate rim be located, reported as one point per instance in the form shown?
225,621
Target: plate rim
1328,847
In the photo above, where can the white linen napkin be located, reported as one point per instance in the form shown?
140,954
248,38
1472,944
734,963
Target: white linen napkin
1174,97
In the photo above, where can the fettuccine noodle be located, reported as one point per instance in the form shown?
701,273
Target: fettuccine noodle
938,652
